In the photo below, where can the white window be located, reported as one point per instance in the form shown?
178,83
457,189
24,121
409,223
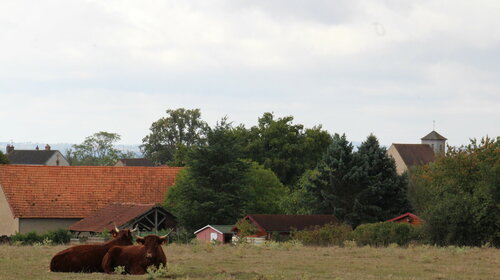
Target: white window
213,236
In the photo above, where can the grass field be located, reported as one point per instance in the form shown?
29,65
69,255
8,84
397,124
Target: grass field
281,262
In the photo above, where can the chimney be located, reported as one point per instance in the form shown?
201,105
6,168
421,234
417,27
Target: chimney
10,148
47,147
37,148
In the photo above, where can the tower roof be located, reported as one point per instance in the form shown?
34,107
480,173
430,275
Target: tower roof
433,136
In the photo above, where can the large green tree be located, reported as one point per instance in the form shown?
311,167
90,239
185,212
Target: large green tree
3,158
171,137
458,195
357,186
218,186
287,149
97,149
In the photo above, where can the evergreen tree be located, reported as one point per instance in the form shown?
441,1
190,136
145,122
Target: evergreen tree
218,186
384,196
357,187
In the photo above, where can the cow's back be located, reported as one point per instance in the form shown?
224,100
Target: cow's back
81,258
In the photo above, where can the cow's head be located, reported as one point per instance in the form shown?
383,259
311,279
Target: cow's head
151,243
124,234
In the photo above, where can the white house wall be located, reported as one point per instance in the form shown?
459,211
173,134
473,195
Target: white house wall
53,160
8,224
42,225
400,164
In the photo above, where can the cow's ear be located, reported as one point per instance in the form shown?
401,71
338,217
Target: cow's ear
139,240
113,233
162,240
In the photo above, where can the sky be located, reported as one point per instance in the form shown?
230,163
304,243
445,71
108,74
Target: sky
393,68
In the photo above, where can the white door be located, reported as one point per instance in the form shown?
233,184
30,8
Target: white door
213,236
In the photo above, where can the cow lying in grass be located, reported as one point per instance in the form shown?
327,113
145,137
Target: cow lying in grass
88,257
136,259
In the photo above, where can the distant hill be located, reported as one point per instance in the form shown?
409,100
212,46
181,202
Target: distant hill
63,147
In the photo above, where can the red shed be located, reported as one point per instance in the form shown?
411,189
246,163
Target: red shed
221,233
408,218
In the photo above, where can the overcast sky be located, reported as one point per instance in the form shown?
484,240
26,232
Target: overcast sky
72,68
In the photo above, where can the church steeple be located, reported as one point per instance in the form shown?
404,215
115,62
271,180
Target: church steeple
436,141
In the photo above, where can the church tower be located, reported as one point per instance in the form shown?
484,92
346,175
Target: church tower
436,141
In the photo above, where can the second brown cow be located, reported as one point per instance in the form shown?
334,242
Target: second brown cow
136,259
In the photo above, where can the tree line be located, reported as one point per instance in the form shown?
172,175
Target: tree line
278,166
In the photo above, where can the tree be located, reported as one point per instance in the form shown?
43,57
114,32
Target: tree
171,137
458,195
97,149
3,158
386,191
210,189
286,148
218,186
357,187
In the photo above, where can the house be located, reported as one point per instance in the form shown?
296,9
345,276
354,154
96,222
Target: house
407,155
36,157
148,217
134,162
408,218
268,224
220,233
42,198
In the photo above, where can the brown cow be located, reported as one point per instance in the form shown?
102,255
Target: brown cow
88,257
136,259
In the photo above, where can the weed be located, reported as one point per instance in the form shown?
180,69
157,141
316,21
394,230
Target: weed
120,269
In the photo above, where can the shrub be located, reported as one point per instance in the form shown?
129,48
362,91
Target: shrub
327,235
385,233
26,238
59,236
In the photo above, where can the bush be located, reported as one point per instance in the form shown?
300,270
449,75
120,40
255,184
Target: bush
327,235
385,233
58,236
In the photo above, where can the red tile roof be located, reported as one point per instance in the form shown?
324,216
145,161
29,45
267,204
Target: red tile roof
76,191
114,214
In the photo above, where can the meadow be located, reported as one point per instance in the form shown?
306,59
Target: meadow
281,261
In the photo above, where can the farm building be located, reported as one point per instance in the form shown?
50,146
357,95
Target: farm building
36,157
42,198
266,225
221,233
408,218
146,217
407,155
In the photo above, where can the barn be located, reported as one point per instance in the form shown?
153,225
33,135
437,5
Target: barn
408,218
145,217
42,198
269,224
220,233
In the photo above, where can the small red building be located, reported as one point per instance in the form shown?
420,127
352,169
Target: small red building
220,233
408,218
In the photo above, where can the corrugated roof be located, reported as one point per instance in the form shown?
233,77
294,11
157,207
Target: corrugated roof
114,214
136,162
285,223
433,135
77,191
30,156
415,154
